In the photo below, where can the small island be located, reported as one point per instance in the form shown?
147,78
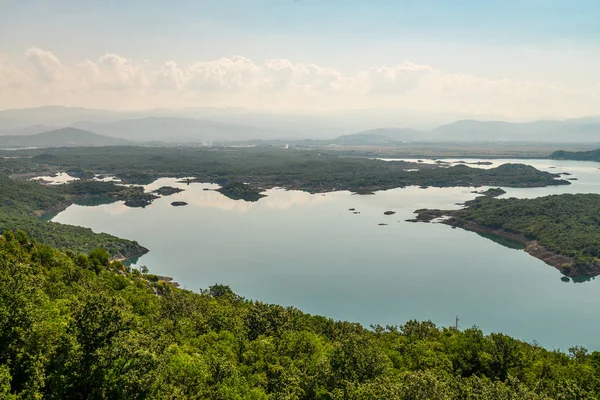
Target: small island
139,202
241,191
492,192
167,190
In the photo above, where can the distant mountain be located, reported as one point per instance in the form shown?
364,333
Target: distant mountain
226,124
56,116
538,131
293,124
28,130
583,130
379,136
64,137
168,129
593,155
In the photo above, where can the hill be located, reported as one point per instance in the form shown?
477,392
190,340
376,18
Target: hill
28,130
58,116
64,137
561,230
537,131
169,129
584,130
593,155
379,136
78,326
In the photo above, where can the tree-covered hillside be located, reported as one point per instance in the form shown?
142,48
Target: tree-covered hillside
593,155
79,326
566,225
23,202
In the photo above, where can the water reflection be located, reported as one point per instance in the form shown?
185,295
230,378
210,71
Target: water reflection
506,242
311,251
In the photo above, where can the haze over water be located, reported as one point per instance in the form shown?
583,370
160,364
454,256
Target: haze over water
310,251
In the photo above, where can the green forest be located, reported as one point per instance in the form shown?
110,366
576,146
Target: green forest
567,224
309,170
22,203
592,155
76,326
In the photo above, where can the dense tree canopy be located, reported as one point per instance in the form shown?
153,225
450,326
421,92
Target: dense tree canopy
566,225
592,155
78,326
309,170
23,202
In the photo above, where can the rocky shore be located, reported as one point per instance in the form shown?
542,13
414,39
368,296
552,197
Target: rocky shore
564,263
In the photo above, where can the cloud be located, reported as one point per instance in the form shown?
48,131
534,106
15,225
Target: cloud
398,79
116,81
46,66
170,77
10,76
281,75
112,72
225,74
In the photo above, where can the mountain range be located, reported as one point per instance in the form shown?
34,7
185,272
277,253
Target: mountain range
170,129
165,126
63,137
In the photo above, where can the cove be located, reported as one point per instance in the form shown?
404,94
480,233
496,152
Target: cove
309,251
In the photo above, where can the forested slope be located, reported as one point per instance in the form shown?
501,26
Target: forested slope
592,155
566,226
23,202
76,326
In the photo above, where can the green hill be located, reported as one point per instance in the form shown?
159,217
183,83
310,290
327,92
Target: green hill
82,327
64,137
593,155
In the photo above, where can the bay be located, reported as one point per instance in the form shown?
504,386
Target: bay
310,251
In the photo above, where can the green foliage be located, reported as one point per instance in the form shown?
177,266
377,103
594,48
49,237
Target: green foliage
240,191
79,326
264,167
592,155
567,224
23,202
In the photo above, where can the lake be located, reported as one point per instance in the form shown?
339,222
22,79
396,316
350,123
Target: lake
310,251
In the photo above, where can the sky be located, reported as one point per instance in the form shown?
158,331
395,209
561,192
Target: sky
515,58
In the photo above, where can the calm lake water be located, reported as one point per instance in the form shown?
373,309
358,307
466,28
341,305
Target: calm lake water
310,251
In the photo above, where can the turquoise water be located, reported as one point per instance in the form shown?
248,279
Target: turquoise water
310,251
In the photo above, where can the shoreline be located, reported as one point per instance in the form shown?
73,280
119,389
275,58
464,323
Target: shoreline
563,263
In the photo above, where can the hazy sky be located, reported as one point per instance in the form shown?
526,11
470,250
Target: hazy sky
518,58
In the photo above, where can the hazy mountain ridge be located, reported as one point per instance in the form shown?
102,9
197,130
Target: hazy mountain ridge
170,129
578,130
208,126
63,137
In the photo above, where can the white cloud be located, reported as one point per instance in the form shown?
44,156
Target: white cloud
170,77
115,81
45,65
225,74
399,79
113,72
